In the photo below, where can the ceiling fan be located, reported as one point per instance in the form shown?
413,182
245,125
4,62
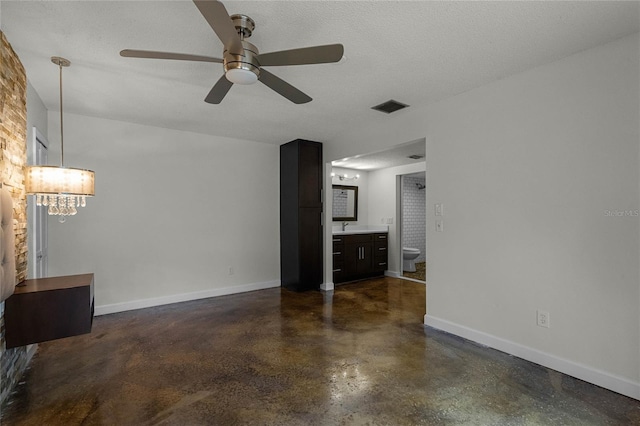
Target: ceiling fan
242,61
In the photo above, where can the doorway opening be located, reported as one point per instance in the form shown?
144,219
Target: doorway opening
378,177
413,225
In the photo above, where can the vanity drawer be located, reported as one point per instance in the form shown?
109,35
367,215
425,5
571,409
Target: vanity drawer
380,255
338,258
338,272
380,264
380,248
358,238
380,237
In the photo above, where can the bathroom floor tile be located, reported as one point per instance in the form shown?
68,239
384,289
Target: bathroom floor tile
419,274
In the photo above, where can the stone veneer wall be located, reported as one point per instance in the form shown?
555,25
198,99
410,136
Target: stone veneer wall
13,158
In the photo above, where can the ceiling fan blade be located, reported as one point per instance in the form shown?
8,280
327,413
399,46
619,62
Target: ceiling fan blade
150,54
219,91
217,16
304,56
283,88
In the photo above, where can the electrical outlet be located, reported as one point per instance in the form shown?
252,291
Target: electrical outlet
389,220
230,270
544,319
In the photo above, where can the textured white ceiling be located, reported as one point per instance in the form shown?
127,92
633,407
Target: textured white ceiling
397,156
414,52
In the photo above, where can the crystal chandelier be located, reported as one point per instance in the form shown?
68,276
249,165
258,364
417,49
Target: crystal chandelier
61,189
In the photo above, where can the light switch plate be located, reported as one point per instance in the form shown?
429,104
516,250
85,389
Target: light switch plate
439,209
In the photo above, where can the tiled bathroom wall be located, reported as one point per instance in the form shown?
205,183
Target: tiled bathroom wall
414,217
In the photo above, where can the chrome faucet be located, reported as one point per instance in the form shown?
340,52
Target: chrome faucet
344,225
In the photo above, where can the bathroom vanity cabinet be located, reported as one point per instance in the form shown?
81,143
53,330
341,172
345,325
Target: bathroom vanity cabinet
301,251
359,256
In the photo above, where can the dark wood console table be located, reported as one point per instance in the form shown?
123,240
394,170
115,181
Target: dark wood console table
49,308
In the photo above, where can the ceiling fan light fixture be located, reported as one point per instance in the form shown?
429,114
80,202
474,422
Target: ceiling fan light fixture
242,69
241,76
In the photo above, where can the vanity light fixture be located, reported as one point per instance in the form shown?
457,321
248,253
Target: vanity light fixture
345,176
61,189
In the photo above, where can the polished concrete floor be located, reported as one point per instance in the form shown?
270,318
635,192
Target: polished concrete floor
356,356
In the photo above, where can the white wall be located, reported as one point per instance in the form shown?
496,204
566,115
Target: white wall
36,113
363,192
173,211
383,204
526,168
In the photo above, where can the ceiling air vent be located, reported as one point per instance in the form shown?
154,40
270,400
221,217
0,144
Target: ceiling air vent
416,156
389,106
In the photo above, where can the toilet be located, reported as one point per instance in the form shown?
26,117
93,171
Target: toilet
409,256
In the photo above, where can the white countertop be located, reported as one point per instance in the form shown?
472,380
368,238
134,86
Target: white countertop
359,229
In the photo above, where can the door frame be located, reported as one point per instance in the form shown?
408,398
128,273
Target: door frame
37,223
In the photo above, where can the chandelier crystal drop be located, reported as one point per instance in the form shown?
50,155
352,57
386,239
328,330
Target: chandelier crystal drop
63,205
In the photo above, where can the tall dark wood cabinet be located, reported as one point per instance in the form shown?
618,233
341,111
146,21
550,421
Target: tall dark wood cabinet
301,215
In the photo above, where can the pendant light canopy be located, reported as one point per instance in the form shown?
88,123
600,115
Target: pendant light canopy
61,189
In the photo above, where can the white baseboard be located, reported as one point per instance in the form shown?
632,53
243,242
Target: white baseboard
583,372
412,279
183,297
327,286
395,274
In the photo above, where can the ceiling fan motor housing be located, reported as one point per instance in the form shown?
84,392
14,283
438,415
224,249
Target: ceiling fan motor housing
247,62
236,67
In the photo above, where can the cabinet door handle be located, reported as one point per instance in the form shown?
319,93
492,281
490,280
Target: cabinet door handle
337,253
382,248
382,236
337,270
337,240
382,263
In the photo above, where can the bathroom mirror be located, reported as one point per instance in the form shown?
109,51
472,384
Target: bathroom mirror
345,202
